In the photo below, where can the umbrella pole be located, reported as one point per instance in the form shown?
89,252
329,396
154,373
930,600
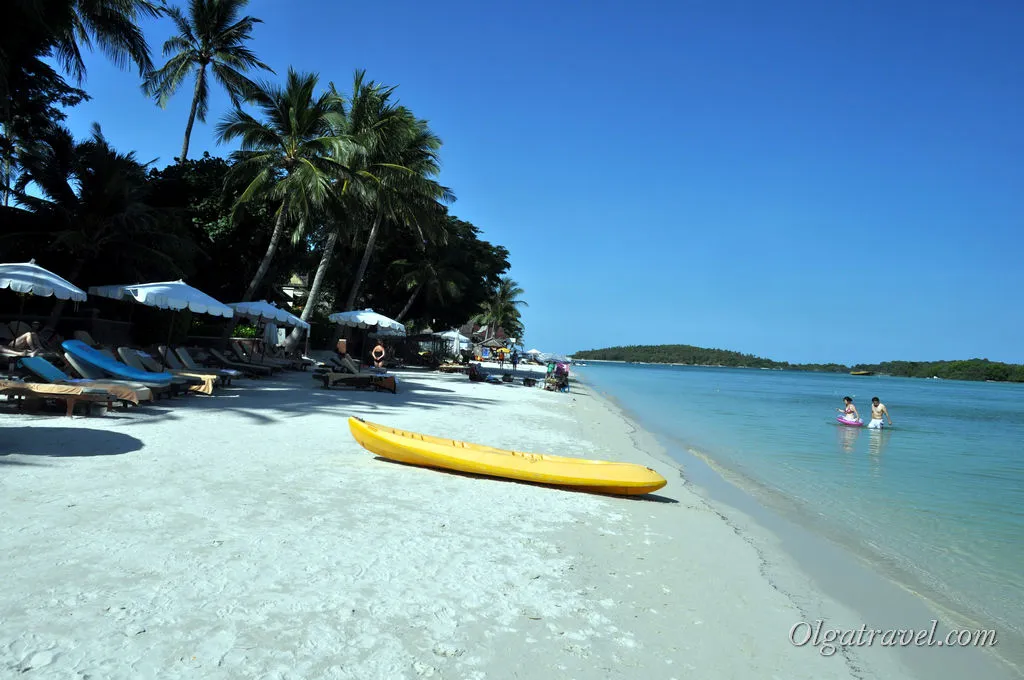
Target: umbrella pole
263,340
170,328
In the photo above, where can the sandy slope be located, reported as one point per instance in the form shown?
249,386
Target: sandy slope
248,535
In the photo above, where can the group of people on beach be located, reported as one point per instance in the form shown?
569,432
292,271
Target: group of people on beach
878,410
513,358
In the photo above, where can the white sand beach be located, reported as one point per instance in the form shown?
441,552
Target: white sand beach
248,535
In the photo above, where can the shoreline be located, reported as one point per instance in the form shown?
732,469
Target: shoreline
842,576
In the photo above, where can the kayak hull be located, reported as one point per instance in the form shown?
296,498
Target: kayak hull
597,476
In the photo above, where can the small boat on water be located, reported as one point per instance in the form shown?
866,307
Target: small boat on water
597,476
862,372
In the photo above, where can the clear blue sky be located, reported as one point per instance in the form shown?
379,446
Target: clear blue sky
836,181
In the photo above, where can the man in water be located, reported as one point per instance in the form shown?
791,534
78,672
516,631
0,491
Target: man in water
877,411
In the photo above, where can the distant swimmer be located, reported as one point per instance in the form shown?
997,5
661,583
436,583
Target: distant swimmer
849,411
877,411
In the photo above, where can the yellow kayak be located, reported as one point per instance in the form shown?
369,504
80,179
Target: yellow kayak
598,476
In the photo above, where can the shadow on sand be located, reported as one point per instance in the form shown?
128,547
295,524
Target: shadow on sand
64,442
295,395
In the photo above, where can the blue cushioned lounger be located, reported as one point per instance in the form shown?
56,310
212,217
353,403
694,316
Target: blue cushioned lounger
88,355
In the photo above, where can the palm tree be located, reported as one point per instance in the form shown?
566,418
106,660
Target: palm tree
293,158
501,310
35,32
428,275
212,35
89,201
369,122
404,160
58,28
390,161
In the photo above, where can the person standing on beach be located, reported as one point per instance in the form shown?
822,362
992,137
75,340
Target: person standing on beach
515,360
877,411
378,354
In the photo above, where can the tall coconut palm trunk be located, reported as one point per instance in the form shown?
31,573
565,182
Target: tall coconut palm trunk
197,95
314,290
412,299
268,257
365,262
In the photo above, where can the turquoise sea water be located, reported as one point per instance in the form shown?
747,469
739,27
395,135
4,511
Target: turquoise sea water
936,503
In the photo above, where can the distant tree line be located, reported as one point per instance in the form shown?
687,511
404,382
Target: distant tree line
688,355
969,369
679,354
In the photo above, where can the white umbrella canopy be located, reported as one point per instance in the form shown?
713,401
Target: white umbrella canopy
28,277
174,295
454,335
267,311
534,351
367,318
455,340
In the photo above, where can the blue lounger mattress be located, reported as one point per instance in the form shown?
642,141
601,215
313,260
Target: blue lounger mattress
116,369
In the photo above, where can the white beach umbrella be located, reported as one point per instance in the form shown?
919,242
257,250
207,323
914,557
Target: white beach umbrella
367,318
28,277
534,351
174,295
267,311
455,339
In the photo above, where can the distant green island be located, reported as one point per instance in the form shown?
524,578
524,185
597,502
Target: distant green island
688,355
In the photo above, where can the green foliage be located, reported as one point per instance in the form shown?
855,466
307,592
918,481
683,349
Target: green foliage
970,369
246,331
688,355
37,33
501,308
91,215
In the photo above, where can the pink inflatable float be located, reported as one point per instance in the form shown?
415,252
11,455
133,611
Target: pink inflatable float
851,423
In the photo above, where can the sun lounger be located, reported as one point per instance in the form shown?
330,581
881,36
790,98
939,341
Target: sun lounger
251,369
130,392
250,357
202,383
6,336
104,362
173,363
69,394
188,362
386,383
85,337
131,358
300,361
92,373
